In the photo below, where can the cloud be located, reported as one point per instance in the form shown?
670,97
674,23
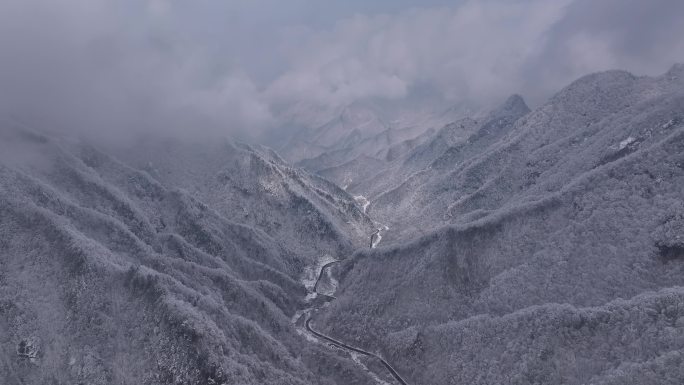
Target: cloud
232,67
639,36
474,51
480,50
117,68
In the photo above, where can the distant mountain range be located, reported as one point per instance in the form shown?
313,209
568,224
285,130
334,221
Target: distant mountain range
367,129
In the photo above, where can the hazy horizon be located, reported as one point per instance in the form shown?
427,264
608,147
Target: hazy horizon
247,68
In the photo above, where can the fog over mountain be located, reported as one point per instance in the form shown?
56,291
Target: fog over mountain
265,69
396,192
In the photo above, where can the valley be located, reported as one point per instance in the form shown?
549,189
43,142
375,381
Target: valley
518,245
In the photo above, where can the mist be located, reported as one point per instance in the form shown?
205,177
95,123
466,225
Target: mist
311,192
239,68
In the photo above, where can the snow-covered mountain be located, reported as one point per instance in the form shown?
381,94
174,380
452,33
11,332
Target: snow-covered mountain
367,129
547,247
163,263
519,246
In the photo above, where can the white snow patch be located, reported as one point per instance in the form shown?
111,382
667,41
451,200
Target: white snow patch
311,273
311,296
347,181
669,124
626,142
355,358
309,337
378,236
363,201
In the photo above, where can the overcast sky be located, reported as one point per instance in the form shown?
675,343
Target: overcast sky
228,66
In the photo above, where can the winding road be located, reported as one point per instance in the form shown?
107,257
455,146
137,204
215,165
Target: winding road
357,350
341,344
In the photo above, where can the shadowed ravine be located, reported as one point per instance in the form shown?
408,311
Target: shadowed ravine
522,247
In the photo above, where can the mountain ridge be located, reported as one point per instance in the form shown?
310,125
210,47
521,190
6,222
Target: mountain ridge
538,216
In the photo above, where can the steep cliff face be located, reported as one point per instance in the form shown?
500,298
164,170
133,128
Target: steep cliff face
254,186
183,271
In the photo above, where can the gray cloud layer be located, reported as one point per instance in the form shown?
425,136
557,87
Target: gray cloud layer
231,66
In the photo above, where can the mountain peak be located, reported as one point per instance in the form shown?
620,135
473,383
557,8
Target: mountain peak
515,103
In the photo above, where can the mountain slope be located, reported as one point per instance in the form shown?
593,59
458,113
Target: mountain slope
531,156
255,186
578,202
523,247
110,275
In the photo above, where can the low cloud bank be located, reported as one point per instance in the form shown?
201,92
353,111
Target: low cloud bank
237,68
